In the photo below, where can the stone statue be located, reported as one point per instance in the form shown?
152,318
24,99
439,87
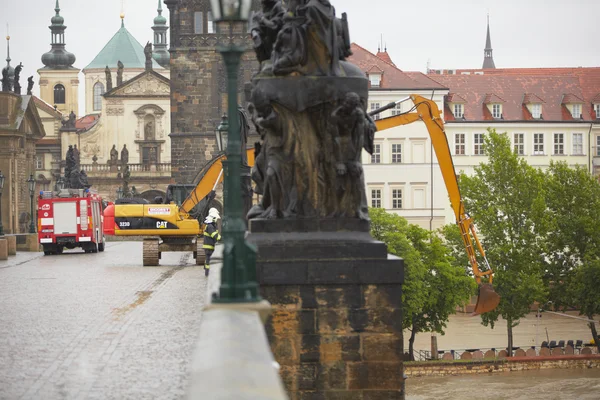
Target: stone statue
18,69
309,106
120,68
69,165
75,179
355,131
76,156
149,131
6,86
264,27
83,180
124,155
108,78
114,155
126,174
71,123
148,54
134,192
29,85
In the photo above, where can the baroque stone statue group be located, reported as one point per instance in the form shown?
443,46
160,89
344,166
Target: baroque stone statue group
309,105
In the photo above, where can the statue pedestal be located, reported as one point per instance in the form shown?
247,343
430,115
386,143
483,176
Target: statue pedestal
114,168
336,295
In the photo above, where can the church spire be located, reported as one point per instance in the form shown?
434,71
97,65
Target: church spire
58,57
488,59
8,70
160,53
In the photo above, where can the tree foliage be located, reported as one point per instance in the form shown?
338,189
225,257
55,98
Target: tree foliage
434,286
505,197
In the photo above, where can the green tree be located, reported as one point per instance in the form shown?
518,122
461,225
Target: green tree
573,241
433,286
505,197
446,284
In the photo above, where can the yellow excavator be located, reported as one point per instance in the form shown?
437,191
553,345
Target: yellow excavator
427,111
174,225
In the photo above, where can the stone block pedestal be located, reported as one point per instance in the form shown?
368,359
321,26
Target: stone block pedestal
12,244
3,249
336,327
28,242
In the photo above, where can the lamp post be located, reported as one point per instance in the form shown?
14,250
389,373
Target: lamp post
221,133
31,183
119,193
1,187
238,276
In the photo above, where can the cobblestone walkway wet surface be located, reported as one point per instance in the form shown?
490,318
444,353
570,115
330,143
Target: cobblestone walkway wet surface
98,326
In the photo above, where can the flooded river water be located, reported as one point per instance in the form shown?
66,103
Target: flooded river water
557,384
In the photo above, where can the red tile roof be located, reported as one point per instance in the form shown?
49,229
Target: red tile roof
518,86
385,57
569,98
86,123
46,107
391,76
492,98
532,98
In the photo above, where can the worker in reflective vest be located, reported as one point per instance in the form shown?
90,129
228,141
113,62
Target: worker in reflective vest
211,237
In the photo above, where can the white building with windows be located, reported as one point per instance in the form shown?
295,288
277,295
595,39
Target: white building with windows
550,114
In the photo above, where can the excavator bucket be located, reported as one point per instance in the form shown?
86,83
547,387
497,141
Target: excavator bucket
487,300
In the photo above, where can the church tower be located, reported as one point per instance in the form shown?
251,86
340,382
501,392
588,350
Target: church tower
59,80
160,53
488,59
198,83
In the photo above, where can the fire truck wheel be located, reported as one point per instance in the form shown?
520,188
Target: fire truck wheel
48,250
59,249
101,245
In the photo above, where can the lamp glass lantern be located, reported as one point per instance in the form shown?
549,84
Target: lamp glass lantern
120,193
231,10
1,181
221,133
31,183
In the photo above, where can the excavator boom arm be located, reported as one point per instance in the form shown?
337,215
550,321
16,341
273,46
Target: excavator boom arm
427,111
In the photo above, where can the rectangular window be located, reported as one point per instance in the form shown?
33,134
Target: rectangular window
536,111
598,146
538,143
210,24
375,106
578,144
459,144
576,111
478,144
497,110
396,199
376,156
375,80
376,198
397,110
396,153
198,23
597,108
39,162
559,143
458,111
519,143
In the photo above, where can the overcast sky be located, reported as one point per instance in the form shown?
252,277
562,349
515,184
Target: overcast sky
448,34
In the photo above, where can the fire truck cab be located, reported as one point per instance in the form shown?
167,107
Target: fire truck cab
70,218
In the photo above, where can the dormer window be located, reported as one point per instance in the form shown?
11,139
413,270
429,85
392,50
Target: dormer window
597,108
576,113
497,111
459,111
536,111
375,79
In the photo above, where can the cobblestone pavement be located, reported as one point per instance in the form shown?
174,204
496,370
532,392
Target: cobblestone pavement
98,326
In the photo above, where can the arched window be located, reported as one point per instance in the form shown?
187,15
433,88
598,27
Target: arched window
59,94
98,92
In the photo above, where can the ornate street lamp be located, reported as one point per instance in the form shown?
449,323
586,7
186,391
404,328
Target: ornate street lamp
119,193
221,133
31,183
1,187
238,276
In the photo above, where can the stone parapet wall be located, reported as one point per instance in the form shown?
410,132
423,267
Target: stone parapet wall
445,368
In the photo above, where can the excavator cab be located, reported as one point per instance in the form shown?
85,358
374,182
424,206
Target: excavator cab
487,299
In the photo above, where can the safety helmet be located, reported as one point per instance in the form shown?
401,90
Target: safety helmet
214,213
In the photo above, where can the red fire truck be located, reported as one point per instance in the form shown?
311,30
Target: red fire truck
70,218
